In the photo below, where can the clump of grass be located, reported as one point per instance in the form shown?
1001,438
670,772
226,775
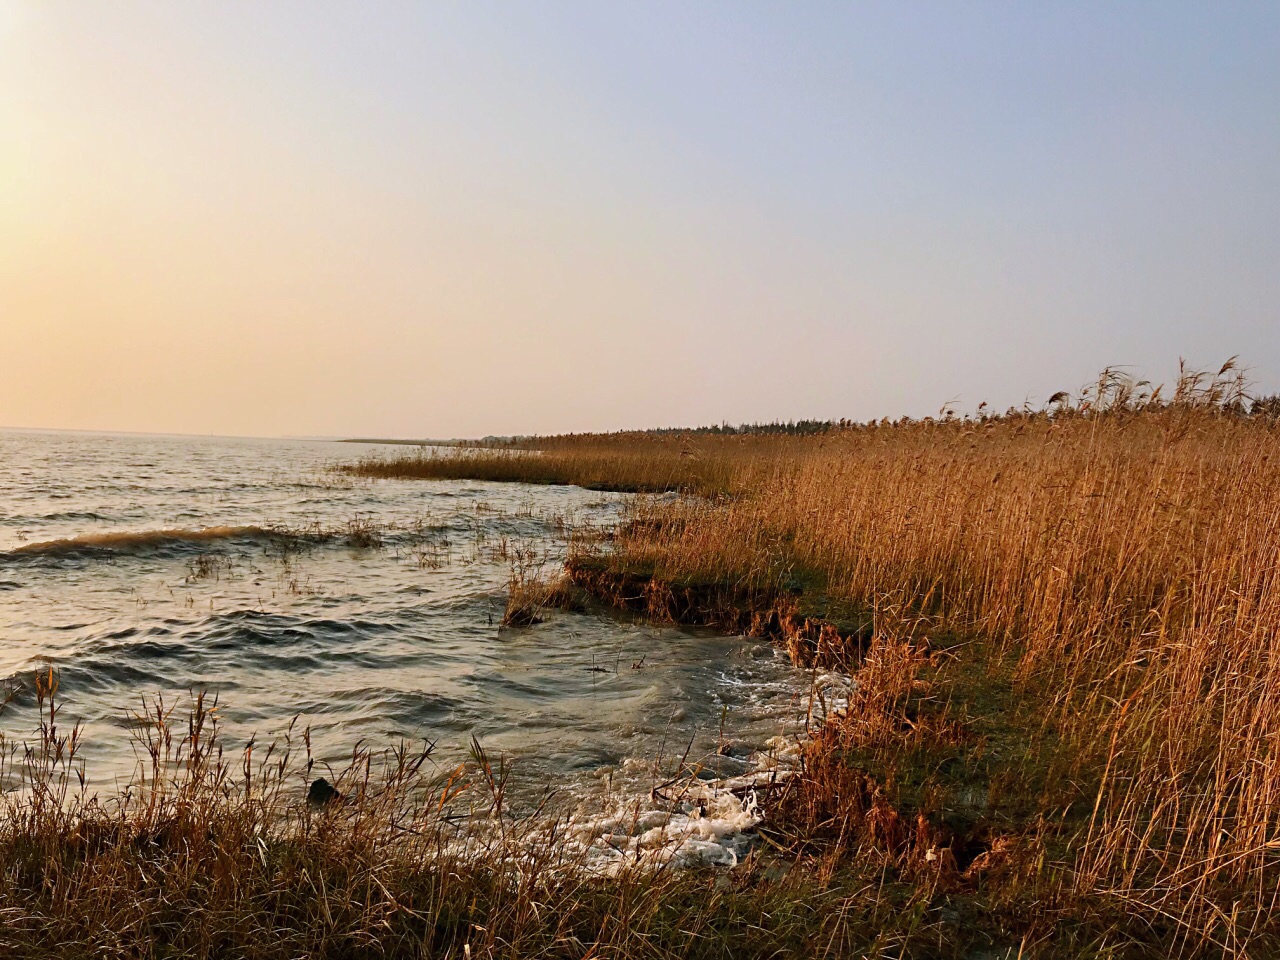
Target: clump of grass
531,589
529,600
284,542
207,566
364,533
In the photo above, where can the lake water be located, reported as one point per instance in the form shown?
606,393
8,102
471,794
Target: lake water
140,566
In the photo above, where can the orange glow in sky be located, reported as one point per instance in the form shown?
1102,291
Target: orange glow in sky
460,220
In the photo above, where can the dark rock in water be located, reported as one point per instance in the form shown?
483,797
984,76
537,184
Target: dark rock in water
321,793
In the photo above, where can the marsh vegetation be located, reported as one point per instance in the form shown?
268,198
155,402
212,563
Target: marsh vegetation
1063,624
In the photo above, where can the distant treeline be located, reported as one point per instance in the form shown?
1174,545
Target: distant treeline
1268,407
1060,404
793,428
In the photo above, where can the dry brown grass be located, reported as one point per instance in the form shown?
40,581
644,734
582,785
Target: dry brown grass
1119,561
215,856
626,463
1083,610
532,590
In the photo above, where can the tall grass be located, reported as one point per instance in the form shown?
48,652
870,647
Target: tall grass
1081,608
1113,557
1118,558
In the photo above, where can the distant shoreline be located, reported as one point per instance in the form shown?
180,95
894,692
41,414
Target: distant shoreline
407,443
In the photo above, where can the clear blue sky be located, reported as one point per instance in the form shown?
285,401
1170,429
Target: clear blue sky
473,218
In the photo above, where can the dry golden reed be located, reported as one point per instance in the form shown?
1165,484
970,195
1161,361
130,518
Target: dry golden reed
1088,590
1119,557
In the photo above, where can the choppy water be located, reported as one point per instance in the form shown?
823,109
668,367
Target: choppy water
102,579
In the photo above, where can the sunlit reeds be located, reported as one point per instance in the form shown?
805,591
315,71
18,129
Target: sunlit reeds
1117,558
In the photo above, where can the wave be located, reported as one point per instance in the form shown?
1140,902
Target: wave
126,541
20,520
227,650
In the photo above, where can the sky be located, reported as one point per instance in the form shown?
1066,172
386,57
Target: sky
460,219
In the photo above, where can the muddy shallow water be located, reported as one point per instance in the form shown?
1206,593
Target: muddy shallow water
141,566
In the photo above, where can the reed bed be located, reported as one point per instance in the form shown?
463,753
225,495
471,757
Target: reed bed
1090,590
708,466
1081,607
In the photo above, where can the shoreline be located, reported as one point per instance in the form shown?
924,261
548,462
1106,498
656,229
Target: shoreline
1058,741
